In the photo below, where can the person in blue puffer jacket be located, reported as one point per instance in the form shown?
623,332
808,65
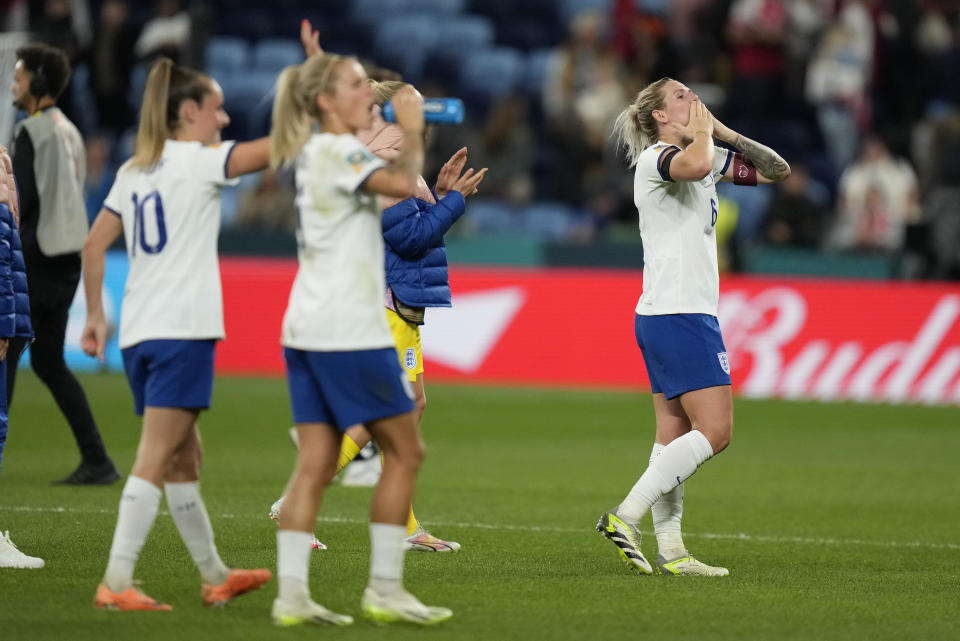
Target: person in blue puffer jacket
416,268
14,299
14,322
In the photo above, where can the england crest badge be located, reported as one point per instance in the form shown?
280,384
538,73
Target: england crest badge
724,363
410,359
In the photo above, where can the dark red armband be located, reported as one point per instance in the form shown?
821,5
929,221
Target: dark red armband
744,172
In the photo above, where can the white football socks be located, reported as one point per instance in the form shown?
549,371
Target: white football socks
193,523
676,463
138,510
293,565
386,557
667,513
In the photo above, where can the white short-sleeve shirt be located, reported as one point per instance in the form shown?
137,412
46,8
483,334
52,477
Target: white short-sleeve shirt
171,221
678,229
336,303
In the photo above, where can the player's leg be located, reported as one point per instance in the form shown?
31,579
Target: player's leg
164,430
682,356
673,557
406,336
385,600
182,488
319,446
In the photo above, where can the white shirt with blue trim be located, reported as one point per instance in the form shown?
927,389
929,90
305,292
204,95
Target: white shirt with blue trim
678,229
336,303
171,221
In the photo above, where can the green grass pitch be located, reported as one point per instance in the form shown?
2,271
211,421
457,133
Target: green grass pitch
837,521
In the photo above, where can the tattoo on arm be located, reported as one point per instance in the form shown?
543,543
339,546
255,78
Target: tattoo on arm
767,161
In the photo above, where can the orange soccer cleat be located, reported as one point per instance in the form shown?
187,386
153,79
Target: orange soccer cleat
129,599
238,582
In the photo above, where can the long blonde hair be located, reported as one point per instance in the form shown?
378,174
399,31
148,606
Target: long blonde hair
295,106
168,85
635,127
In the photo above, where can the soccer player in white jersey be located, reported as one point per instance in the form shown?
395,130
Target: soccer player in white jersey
166,202
342,367
669,135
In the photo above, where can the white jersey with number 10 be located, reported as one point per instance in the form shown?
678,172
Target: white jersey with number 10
171,222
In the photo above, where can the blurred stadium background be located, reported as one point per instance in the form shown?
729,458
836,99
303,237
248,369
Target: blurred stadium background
860,96
838,519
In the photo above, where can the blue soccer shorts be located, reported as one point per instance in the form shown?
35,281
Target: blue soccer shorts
170,373
682,352
346,388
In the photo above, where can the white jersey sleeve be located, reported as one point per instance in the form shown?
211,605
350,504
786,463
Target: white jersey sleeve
356,163
210,163
721,161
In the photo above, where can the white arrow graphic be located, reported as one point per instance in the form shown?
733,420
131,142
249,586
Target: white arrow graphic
461,337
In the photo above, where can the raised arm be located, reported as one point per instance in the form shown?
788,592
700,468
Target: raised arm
248,157
765,163
399,178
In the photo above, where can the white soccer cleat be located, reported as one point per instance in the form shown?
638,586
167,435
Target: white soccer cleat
290,614
294,437
275,508
401,607
315,544
688,566
423,541
627,539
11,557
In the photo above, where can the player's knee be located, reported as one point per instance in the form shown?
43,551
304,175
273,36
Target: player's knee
719,433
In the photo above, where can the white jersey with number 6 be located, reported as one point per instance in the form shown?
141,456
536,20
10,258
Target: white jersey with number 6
336,303
171,221
678,229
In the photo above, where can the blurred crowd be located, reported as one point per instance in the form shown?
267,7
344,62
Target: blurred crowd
860,96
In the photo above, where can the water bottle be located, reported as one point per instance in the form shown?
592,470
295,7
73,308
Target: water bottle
440,110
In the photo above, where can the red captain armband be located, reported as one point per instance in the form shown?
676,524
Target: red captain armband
744,172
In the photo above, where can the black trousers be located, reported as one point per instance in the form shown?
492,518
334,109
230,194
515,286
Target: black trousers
48,316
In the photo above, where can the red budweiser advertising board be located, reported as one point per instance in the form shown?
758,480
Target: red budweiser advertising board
785,337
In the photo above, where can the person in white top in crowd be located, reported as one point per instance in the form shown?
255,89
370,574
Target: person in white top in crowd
166,202
341,362
669,135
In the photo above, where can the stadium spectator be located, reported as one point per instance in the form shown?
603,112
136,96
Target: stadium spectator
582,94
167,33
669,134
340,356
796,216
111,62
506,141
757,30
100,173
16,322
50,166
269,205
877,199
166,203
838,83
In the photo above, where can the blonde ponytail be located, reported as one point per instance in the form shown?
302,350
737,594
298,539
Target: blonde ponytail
295,106
153,131
635,127
291,128
168,85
